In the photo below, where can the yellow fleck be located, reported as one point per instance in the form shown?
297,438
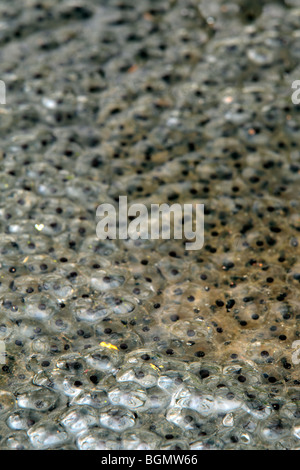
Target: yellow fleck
108,345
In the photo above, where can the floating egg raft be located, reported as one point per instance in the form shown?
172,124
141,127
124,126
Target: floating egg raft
141,344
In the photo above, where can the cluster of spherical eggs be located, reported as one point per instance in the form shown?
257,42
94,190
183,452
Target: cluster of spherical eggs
123,344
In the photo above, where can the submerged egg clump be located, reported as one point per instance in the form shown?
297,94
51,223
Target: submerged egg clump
143,344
